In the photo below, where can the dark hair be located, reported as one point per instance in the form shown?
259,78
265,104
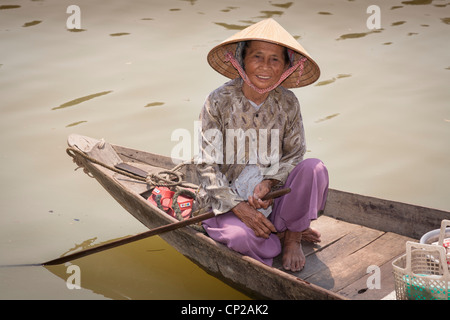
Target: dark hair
247,44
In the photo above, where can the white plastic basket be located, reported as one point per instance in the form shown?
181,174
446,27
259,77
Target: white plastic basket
440,237
422,273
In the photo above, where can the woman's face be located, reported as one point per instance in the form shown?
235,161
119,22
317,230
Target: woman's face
264,63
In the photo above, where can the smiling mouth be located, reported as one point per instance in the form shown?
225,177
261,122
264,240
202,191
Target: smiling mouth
263,77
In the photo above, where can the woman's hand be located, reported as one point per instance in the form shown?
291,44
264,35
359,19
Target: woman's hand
254,219
261,189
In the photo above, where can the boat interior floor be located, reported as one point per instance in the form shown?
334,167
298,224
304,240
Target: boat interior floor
351,260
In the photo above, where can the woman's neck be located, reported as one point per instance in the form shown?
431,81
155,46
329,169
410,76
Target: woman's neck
252,95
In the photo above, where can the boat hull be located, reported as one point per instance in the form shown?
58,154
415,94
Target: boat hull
353,220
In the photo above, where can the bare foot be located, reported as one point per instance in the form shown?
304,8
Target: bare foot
311,235
293,256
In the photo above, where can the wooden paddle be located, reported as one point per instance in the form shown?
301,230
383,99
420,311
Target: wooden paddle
150,233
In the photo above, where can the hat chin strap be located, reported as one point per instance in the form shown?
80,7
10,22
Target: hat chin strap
229,57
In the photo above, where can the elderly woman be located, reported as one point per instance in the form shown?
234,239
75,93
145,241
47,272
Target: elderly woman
253,142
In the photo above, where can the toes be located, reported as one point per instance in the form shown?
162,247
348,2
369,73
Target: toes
293,263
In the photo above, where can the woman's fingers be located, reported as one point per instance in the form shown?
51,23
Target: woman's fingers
257,203
255,220
263,227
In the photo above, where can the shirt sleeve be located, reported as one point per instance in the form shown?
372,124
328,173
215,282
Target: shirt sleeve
220,196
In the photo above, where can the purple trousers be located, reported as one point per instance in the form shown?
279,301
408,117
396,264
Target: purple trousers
309,186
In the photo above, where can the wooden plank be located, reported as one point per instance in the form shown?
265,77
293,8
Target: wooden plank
348,269
319,267
361,290
389,216
134,156
330,264
339,239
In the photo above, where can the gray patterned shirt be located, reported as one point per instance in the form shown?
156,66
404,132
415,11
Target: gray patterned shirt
235,134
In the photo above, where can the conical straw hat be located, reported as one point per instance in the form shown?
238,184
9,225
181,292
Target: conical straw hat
266,30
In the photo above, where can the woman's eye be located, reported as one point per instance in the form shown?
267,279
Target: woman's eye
275,60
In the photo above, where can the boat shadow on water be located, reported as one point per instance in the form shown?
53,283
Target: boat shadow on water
148,269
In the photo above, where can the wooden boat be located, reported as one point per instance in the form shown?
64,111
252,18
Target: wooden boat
361,235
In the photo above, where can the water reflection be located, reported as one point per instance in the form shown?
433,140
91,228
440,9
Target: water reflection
80,100
192,2
9,6
231,26
282,5
119,34
133,271
339,76
31,23
86,244
357,34
75,123
154,104
270,14
327,117
418,2
76,30
325,82
228,9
